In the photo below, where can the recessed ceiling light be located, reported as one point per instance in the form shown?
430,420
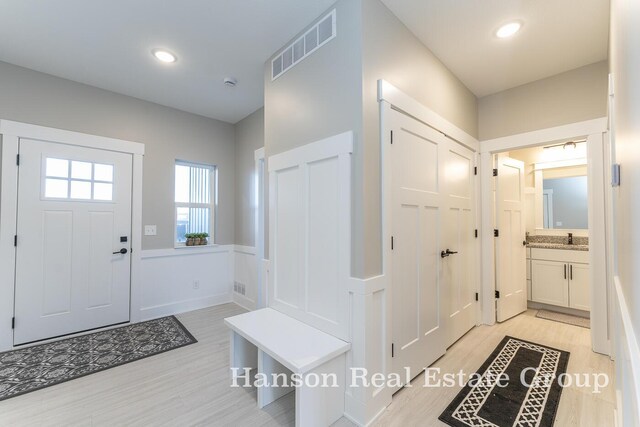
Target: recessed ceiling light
507,30
164,56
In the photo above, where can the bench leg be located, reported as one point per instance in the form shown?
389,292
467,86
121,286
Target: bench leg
270,367
243,355
321,406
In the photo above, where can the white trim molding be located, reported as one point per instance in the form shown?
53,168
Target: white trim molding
593,130
627,354
61,136
408,105
11,133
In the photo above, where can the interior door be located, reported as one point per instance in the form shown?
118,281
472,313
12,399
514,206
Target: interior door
73,240
458,265
418,322
511,273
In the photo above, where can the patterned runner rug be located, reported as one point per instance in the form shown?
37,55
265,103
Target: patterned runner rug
517,403
33,368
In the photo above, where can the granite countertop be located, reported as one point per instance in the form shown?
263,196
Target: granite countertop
558,242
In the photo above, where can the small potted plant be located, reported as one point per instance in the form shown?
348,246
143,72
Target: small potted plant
191,241
203,238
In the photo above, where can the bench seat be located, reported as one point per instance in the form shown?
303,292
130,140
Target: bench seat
274,343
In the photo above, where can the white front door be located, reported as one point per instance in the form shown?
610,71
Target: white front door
74,218
419,206
511,272
458,266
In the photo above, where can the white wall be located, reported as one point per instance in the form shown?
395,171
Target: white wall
168,134
624,63
249,137
569,97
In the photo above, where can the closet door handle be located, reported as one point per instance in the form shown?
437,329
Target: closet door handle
565,271
571,272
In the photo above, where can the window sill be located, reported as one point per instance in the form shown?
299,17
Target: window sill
210,245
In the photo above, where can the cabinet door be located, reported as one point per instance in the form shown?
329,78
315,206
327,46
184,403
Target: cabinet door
579,292
549,282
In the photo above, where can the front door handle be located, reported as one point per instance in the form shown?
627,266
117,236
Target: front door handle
122,251
446,253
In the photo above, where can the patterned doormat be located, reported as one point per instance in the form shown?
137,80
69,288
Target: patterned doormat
33,368
583,322
516,404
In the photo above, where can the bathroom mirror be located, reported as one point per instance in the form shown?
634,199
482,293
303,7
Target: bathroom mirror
565,203
561,197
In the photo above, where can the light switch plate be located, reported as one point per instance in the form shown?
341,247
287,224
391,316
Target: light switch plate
150,230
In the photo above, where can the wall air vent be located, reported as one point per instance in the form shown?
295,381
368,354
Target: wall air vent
316,37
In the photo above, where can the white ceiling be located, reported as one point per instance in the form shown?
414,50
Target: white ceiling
107,43
557,36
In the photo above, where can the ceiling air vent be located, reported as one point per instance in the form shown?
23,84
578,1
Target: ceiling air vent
305,45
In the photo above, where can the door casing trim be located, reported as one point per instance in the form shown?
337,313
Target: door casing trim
10,134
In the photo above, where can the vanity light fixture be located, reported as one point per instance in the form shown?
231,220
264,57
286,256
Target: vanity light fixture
163,55
569,145
508,30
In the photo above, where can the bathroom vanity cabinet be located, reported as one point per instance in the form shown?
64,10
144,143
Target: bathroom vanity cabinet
560,277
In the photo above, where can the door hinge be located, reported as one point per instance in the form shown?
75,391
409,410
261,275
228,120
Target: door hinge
475,170
391,242
391,137
497,294
392,352
477,296
476,233
495,172
17,159
496,233
13,323
15,240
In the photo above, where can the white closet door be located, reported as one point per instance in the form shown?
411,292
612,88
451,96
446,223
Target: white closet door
74,212
458,268
419,205
511,273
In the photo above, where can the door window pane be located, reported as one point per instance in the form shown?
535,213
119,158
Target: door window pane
57,168
56,188
81,170
103,172
102,191
81,190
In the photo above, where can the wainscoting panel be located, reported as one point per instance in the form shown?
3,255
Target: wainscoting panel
309,233
245,286
179,280
627,362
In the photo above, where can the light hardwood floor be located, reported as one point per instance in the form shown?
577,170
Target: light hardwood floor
190,386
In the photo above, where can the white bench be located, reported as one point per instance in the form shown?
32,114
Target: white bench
274,343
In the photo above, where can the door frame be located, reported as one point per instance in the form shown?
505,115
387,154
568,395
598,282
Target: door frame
259,228
11,132
594,130
391,98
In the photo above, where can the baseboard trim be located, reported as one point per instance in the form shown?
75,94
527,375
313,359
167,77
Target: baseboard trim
148,313
244,302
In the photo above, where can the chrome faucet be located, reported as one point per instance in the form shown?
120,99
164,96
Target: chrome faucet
570,241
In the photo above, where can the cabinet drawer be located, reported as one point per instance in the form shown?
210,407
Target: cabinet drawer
561,255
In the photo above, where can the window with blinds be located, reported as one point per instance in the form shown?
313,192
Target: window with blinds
195,188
